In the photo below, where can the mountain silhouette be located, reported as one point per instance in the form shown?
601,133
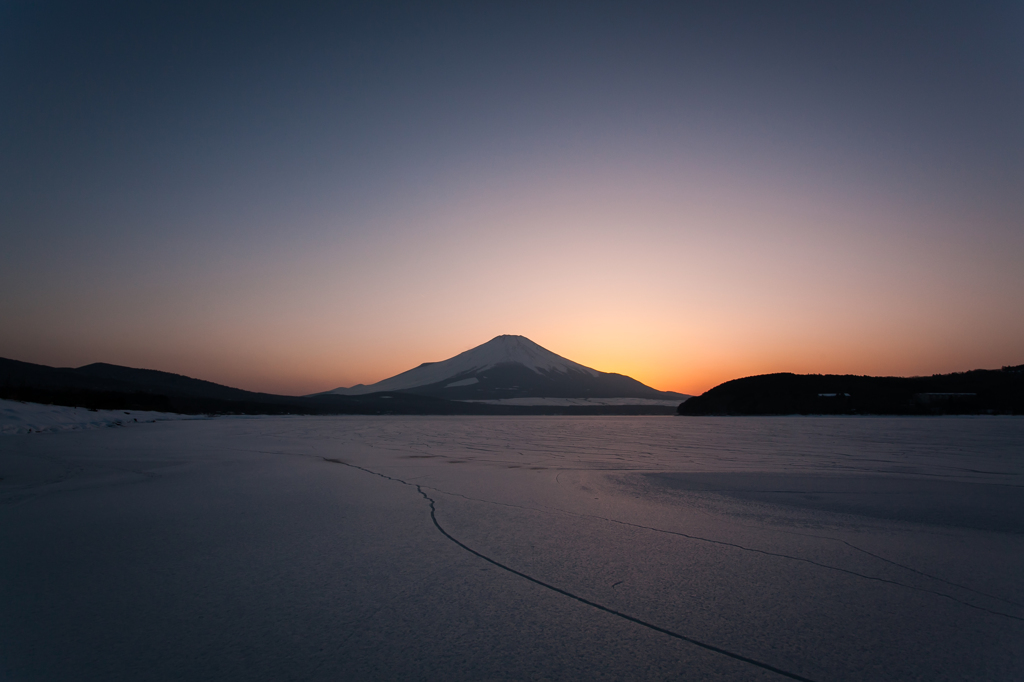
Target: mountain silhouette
511,367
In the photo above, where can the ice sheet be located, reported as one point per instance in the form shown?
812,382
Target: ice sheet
514,548
17,417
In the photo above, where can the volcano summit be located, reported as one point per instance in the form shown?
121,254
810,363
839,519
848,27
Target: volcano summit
515,370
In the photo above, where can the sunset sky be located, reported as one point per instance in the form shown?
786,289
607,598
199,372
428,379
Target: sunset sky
291,198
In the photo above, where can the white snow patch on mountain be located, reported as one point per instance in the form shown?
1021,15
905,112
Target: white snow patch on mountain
465,382
565,402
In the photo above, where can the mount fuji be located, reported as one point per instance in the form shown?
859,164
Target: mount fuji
512,369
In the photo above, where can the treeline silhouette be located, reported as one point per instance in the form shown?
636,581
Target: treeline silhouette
976,392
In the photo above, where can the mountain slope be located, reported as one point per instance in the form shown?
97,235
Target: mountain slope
115,378
508,367
103,386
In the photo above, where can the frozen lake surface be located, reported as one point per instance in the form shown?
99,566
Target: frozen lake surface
515,548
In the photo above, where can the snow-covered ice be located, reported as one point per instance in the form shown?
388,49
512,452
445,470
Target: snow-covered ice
18,417
513,548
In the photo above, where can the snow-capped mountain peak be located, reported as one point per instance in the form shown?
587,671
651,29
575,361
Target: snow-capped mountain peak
510,367
504,349
515,349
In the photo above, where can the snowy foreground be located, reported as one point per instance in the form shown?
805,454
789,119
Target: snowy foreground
18,417
515,548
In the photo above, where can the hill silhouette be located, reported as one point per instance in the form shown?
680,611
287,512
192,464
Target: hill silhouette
976,392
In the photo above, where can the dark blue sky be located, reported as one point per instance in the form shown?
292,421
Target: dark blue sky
199,188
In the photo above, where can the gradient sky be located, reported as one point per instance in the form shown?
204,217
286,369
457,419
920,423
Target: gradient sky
291,199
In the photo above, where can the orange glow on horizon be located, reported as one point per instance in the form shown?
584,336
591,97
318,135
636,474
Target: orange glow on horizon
681,278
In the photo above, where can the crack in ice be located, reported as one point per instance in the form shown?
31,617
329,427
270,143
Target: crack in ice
779,555
566,593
